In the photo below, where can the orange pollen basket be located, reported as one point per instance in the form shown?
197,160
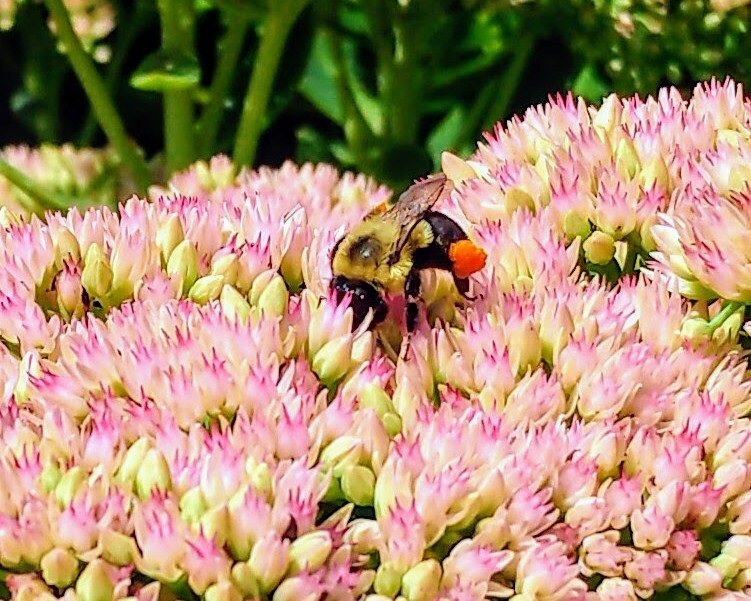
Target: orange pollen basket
466,258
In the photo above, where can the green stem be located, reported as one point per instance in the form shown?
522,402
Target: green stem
231,47
96,91
40,198
510,82
727,310
405,83
178,18
127,33
356,130
279,21
381,35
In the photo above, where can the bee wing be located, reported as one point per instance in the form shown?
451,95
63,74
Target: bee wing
417,200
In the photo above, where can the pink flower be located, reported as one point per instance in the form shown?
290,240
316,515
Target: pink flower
601,554
544,572
683,549
646,570
651,528
160,532
204,562
469,564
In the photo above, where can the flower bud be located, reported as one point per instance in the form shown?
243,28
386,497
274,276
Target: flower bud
66,488
645,234
117,548
516,198
725,565
153,473
695,328
94,583
358,484
193,505
133,460
420,583
226,266
626,159
234,304
388,580
245,581
655,172
728,330
260,476
206,289
575,224
70,291
269,560
27,587
8,217
341,453
96,276
168,236
456,169
269,293
525,347
66,246
392,423
332,362
59,568
183,262
702,579
214,524
599,248
50,477
609,114
730,137
372,396
222,591
616,589
310,551
363,535
296,588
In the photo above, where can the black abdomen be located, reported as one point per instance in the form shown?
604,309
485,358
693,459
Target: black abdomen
445,232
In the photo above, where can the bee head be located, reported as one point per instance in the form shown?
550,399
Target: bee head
364,296
366,250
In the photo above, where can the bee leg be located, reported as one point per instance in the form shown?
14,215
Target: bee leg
412,292
462,285
388,349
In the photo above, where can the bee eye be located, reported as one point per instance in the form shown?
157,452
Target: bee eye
365,250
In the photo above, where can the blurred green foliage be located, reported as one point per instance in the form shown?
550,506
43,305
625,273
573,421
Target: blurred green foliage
380,86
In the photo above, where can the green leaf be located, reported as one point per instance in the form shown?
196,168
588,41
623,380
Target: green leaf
445,135
312,146
675,593
160,72
401,163
368,106
318,83
589,84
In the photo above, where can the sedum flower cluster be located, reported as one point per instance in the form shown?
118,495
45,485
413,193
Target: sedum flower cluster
188,413
92,20
87,175
640,44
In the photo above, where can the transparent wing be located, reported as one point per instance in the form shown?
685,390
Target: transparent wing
417,200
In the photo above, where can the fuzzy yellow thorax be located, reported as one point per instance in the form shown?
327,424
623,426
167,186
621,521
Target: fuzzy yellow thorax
381,235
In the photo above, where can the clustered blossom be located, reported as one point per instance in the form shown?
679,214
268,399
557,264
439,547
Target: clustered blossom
187,411
92,21
83,175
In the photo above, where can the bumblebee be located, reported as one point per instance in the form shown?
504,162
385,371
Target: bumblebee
391,246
